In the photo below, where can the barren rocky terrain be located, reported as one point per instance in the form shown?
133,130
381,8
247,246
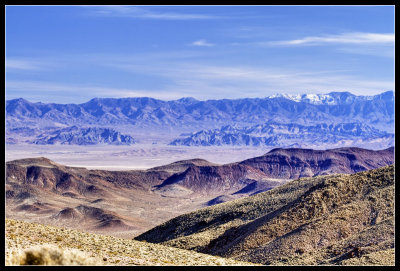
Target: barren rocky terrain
259,211
42,243
127,203
338,219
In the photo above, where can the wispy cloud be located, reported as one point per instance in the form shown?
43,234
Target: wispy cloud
53,91
217,81
344,38
27,65
147,13
203,43
191,76
250,81
382,51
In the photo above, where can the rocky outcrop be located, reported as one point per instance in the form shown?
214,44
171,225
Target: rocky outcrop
84,136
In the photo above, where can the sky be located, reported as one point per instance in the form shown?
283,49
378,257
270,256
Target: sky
71,54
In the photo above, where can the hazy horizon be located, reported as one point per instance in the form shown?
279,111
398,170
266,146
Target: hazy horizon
201,100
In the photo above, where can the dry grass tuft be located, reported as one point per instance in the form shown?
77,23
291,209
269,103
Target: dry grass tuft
51,255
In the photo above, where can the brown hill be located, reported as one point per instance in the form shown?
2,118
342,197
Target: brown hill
180,166
96,217
38,188
211,179
296,163
337,219
277,164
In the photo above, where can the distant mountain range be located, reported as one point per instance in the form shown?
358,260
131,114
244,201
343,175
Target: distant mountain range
188,115
84,136
287,135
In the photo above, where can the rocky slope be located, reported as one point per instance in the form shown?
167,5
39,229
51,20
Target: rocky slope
130,202
326,220
93,249
283,135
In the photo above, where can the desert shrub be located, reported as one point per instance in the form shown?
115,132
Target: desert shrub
51,255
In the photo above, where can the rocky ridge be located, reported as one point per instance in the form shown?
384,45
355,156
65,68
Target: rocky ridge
72,135
288,135
326,220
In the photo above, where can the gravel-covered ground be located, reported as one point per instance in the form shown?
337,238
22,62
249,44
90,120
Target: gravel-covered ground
107,250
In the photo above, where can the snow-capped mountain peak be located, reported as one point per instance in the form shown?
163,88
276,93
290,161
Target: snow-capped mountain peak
332,98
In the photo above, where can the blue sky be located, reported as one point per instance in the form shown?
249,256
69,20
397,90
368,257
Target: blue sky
70,54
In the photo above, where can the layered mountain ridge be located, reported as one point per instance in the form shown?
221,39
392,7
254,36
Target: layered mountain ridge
190,115
288,134
83,136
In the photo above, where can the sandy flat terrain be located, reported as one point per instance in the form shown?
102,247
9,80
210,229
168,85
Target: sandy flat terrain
141,156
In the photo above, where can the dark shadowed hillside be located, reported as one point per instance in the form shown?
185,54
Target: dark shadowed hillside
278,164
294,162
337,219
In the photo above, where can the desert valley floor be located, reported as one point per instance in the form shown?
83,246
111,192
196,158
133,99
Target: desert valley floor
138,156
